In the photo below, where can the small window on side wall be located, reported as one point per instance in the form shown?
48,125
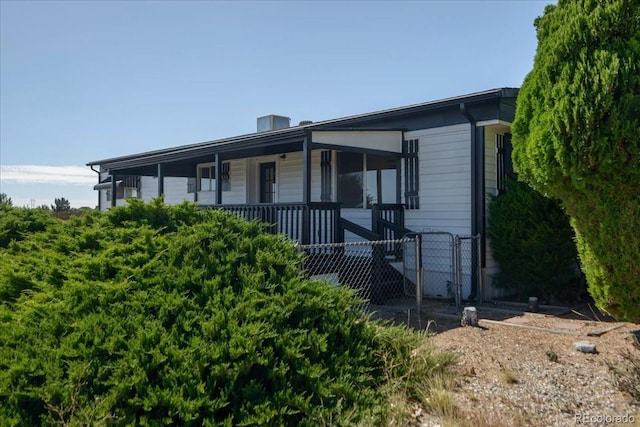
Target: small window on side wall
504,166
411,174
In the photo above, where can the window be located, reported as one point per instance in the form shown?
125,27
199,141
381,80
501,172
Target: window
129,192
411,174
350,180
381,179
357,188
126,188
504,167
325,176
206,177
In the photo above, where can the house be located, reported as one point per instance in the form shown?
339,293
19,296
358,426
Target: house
427,166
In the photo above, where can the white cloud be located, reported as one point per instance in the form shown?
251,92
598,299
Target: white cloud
33,174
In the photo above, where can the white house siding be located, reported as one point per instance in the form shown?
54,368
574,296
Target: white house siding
237,194
175,190
445,180
444,161
148,188
289,173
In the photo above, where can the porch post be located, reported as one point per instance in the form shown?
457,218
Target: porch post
160,179
218,169
306,187
114,187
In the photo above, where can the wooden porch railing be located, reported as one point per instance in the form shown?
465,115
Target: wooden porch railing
316,222
387,220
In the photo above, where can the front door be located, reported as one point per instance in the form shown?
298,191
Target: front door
267,182
268,195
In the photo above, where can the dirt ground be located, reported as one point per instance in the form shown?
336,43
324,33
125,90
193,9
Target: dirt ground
520,368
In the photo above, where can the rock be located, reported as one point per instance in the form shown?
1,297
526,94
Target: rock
469,317
585,346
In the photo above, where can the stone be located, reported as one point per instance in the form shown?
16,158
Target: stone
585,346
469,317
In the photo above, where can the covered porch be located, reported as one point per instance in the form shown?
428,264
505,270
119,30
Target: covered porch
316,186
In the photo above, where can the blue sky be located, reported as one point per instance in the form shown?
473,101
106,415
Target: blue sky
83,81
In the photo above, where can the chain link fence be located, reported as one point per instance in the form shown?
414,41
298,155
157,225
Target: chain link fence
468,268
374,269
437,264
426,264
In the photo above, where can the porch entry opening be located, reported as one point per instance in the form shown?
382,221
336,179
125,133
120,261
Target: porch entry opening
267,182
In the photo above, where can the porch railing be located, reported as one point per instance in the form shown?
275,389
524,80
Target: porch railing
312,223
387,220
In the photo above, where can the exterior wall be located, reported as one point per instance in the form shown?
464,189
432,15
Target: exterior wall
288,178
289,172
175,190
445,180
237,194
148,188
444,162
490,151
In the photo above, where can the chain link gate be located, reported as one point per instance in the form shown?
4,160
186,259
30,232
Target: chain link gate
425,264
449,266
374,269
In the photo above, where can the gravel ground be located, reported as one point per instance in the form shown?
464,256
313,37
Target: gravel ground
523,369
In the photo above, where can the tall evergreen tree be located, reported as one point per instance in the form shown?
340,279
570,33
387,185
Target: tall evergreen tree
576,137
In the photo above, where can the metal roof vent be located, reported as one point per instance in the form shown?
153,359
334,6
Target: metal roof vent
273,122
305,122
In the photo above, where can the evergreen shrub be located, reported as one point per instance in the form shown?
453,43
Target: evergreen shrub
533,242
576,138
156,315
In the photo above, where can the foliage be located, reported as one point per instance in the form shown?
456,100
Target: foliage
61,205
17,223
156,315
5,201
533,242
576,137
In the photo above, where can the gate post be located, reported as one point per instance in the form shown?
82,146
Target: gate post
479,269
458,267
419,290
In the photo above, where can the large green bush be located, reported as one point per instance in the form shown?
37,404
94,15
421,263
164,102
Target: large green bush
533,242
155,315
16,223
576,137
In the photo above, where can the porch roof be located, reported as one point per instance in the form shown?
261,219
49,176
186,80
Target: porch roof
287,138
